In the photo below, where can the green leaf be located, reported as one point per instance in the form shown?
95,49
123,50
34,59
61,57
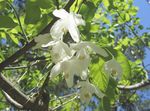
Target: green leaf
106,3
14,39
127,17
86,8
33,13
94,28
7,22
3,35
99,78
96,2
2,4
45,4
106,104
122,59
110,92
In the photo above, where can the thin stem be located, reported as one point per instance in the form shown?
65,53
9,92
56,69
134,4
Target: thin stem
18,18
14,68
64,97
110,53
135,86
64,103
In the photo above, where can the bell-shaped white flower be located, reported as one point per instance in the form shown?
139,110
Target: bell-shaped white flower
91,46
67,22
113,68
76,65
59,51
87,90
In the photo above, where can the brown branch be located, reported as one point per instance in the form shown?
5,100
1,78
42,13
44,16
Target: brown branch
135,86
11,101
7,87
14,93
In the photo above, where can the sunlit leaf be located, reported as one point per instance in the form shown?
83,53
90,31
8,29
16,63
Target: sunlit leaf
7,22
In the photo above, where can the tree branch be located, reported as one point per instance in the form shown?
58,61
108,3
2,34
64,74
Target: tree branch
135,86
16,55
11,101
7,87
14,93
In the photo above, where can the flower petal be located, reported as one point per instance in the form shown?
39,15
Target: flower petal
78,19
66,48
56,70
57,30
74,32
69,79
114,68
61,13
97,49
42,39
51,43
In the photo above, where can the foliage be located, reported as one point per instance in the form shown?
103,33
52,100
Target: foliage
111,24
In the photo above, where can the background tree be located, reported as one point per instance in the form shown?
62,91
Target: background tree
25,66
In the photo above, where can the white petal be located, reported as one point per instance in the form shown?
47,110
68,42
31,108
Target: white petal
56,70
69,79
57,30
112,66
84,75
42,39
51,43
66,48
61,13
78,19
98,92
85,96
60,51
97,49
74,32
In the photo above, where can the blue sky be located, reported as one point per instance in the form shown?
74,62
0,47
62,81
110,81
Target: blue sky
144,12
144,15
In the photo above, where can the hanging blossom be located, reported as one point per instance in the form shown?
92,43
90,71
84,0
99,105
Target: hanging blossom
72,59
42,39
67,22
87,90
89,45
77,64
113,68
59,51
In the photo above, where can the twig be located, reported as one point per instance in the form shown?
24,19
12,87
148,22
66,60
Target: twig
16,55
20,67
14,93
45,83
135,86
65,96
11,101
14,68
64,103
17,16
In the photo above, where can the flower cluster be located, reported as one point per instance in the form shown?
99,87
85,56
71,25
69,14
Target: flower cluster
73,58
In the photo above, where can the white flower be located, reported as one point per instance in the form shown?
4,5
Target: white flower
67,22
41,39
87,90
113,68
76,65
91,46
59,50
